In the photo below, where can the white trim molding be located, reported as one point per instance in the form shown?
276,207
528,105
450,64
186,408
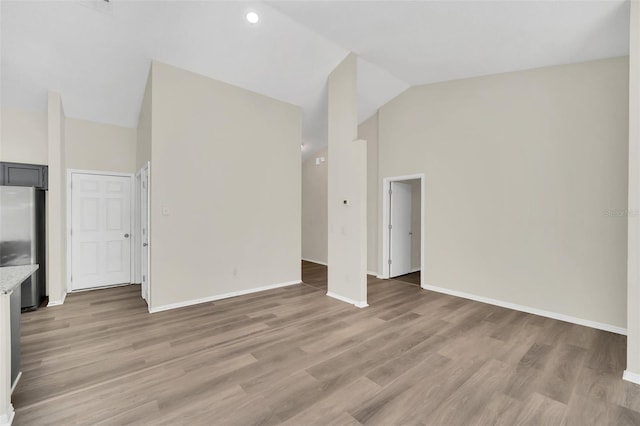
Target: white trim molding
529,310
221,296
315,261
147,168
136,276
57,302
15,382
631,377
70,172
385,273
347,300
6,408
7,419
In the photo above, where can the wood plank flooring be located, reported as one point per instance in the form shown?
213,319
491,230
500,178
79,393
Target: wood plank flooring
294,356
411,278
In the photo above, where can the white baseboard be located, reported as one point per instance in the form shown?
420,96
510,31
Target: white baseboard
347,300
530,310
416,269
631,377
102,287
15,382
315,261
375,274
7,419
220,296
57,302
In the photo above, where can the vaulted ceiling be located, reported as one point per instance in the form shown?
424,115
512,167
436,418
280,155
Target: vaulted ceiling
97,54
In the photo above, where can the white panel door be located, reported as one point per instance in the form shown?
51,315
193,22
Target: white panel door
100,230
400,229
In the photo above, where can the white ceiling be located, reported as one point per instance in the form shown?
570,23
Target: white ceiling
97,54
424,42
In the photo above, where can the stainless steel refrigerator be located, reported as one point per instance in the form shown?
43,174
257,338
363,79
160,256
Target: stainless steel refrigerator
22,237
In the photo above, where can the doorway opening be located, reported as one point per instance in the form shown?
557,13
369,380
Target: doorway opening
145,219
99,223
403,228
141,247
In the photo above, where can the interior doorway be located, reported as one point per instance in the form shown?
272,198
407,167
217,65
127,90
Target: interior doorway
99,218
403,228
142,248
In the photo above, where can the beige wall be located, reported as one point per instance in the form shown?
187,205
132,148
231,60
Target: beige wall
143,137
23,136
633,264
368,131
88,145
56,201
521,170
63,143
226,167
347,182
102,147
314,208
314,200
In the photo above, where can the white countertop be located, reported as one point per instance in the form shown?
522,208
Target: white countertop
13,276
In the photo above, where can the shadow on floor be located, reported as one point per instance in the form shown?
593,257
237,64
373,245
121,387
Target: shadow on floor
412,278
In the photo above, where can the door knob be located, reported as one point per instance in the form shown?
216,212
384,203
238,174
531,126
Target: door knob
144,244
126,235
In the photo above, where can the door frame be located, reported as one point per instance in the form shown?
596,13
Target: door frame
138,212
386,183
68,241
136,232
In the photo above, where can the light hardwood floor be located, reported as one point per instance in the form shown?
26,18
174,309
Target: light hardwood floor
294,356
411,278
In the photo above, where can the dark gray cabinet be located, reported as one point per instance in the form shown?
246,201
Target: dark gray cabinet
17,174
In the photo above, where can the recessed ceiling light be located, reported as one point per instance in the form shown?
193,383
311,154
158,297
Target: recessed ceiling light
253,17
